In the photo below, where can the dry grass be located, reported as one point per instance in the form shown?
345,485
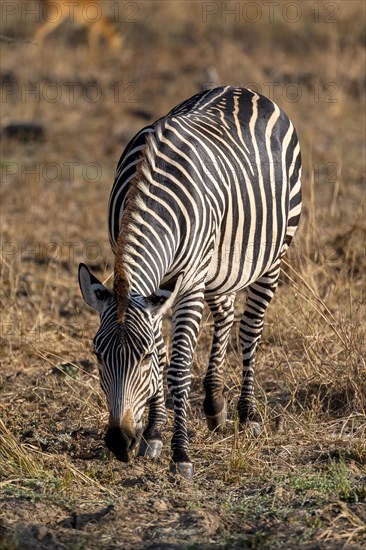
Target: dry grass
302,482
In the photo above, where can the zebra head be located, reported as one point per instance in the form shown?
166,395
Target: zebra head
127,358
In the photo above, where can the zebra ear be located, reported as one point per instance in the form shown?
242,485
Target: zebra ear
94,293
159,302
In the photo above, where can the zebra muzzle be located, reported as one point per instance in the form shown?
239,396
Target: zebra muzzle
123,439
122,445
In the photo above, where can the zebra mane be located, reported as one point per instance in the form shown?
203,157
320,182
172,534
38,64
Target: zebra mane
133,212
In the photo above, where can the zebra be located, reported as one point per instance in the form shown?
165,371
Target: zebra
205,203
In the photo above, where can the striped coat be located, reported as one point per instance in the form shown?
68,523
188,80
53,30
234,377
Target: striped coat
205,203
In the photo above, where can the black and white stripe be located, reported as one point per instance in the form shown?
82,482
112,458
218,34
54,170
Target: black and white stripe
207,199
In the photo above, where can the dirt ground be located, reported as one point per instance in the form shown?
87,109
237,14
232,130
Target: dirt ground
302,483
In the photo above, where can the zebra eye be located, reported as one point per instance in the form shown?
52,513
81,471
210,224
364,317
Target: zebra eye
147,357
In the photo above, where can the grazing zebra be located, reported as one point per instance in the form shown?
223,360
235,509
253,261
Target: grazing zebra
205,203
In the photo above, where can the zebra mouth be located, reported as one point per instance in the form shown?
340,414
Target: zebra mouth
123,446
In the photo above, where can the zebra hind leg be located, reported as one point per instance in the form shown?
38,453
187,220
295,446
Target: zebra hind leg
151,442
260,294
214,406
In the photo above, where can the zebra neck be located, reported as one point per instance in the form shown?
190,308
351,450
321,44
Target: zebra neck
142,262
149,233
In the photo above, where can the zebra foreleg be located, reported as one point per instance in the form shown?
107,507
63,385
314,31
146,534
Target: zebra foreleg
186,322
214,405
260,294
151,442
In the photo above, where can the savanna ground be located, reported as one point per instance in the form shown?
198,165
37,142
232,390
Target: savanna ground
302,483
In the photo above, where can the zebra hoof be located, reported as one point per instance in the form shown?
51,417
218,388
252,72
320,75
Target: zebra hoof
151,448
183,469
254,428
218,421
